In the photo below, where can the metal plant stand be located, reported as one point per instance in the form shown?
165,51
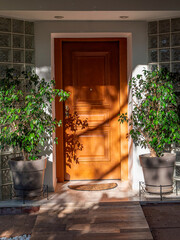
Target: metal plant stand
143,189
176,179
44,191
177,172
6,188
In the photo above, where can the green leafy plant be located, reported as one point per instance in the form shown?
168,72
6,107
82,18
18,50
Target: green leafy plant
154,122
25,114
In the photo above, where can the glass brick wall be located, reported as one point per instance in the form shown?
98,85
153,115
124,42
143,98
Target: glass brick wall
16,45
17,51
164,48
164,44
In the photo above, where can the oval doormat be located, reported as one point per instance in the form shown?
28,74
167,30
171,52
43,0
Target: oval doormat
93,187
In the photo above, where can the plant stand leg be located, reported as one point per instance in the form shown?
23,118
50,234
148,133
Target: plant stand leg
176,189
47,191
140,190
161,193
23,197
11,192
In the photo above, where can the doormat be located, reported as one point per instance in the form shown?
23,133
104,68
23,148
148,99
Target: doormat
93,187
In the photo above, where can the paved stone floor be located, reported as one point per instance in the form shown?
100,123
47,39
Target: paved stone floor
65,195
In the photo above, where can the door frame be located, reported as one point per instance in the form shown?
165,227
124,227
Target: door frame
58,152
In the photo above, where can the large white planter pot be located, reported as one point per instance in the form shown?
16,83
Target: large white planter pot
28,176
158,171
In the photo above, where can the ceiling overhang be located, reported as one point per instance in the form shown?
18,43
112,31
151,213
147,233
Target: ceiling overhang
91,15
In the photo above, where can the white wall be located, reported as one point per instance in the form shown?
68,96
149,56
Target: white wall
138,30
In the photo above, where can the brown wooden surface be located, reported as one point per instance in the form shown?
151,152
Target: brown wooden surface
163,220
95,72
100,222
59,112
16,225
90,73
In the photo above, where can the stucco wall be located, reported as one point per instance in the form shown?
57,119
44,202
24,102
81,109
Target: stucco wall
138,30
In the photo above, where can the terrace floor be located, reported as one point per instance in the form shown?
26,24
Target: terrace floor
70,215
102,221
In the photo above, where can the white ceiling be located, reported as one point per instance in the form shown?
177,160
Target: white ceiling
91,15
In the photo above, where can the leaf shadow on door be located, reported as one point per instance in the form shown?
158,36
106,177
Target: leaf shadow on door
100,126
73,124
74,148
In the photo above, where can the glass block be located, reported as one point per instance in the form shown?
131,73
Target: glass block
18,68
176,39
5,24
178,171
5,55
3,68
164,26
164,40
164,55
175,24
6,176
176,67
29,28
7,191
29,57
18,56
30,68
152,27
29,42
5,40
4,160
153,56
18,26
164,66
175,52
152,41
178,186
153,67
18,41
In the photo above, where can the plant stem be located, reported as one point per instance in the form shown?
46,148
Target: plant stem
152,152
25,155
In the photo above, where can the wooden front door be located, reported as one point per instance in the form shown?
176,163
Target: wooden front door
91,72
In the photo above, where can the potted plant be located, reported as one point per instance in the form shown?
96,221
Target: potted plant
154,124
26,123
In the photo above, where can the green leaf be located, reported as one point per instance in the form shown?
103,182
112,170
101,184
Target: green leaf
31,125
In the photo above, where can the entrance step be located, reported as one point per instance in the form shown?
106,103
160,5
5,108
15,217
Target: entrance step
101,221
